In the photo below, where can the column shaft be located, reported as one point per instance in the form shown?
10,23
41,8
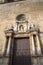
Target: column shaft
32,46
8,48
5,47
38,45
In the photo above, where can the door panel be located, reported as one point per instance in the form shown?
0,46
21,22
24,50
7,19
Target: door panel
21,52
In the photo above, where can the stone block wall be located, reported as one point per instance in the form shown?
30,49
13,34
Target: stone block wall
8,14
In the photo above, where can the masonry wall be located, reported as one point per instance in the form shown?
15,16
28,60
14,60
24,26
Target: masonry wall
9,12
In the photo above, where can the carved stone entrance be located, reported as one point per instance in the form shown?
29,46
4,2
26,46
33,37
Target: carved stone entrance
21,52
21,44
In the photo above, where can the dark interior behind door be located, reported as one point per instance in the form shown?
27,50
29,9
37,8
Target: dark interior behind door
21,52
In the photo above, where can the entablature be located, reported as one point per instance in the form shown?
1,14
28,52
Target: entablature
32,31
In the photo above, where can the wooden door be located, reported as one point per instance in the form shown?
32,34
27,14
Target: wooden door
21,52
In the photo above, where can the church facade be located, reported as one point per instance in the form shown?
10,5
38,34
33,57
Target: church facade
21,32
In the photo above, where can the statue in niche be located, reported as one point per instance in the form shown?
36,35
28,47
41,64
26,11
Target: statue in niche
21,28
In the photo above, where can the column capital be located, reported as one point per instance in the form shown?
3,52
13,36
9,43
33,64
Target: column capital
9,32
33,33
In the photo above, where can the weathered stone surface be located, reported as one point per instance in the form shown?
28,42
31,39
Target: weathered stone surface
8,12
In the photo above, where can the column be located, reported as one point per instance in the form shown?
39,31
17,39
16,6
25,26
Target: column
11,50
8,48
38,47
5,47
32,46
